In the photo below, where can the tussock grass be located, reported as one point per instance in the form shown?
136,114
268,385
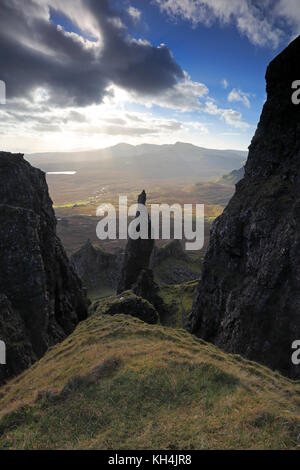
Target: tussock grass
119,383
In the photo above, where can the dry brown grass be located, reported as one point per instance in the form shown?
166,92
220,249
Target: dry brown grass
167,390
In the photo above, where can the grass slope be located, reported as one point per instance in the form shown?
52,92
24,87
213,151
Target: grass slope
174,271
178,300
119,383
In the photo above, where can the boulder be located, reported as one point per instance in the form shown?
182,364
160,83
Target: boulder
127,304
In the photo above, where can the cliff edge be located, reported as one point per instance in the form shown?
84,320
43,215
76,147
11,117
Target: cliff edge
248,299
41,299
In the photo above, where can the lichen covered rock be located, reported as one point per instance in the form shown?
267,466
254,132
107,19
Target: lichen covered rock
127,304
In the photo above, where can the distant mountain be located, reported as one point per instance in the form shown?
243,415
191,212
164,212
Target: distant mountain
233,177
145,161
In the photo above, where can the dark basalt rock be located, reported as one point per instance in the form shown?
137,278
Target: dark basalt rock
147,288
96,267
41,299
137,256
172,249
232,178
248,300
127,304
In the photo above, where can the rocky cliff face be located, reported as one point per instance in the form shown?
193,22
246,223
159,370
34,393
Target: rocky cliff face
146,288
41,300
172,249
172,265
97,267
232,178
248,300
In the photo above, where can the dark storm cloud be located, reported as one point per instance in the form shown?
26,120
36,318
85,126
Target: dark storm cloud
134,65
35,53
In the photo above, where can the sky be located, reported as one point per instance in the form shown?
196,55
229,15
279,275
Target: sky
88,74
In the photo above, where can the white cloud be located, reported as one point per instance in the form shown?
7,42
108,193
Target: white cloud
230,116
135,13
254,20
76,11
196,126
289,11
225,83
185,96
240,96
39,126
85,43
111,122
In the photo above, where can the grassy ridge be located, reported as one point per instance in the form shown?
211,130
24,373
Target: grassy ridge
118,383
